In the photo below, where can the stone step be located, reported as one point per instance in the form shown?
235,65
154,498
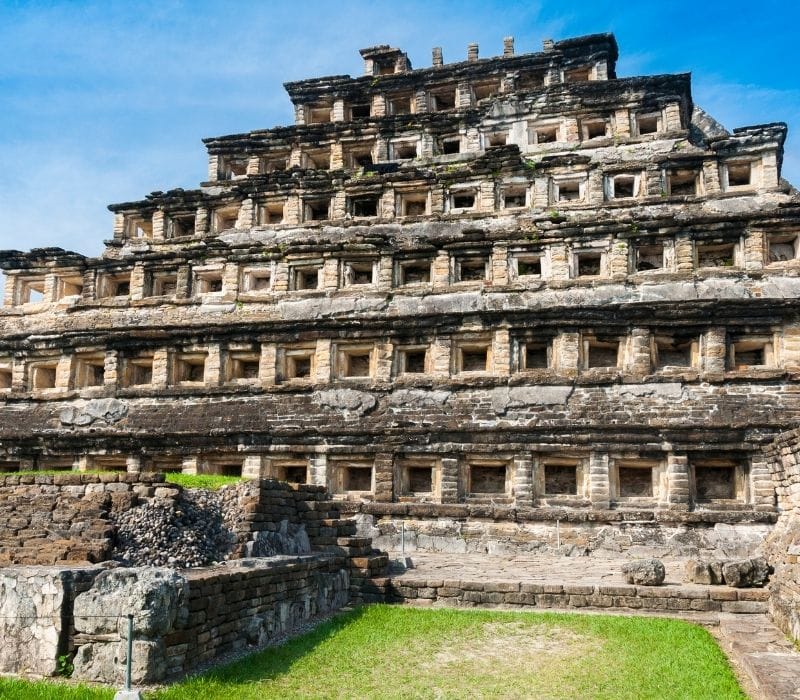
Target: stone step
346,551
337,522
375,562
354,541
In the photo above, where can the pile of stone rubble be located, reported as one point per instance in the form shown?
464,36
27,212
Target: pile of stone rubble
180,532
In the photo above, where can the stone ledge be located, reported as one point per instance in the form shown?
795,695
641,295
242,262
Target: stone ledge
407,588
549,514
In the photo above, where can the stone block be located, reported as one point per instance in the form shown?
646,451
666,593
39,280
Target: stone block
492,598
745,573
449,592
33,602
501,586
744,607
654,592
644,572
703,572
617,590
520,598
153,596
552,600
627,601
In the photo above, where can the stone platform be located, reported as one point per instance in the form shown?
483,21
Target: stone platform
561,582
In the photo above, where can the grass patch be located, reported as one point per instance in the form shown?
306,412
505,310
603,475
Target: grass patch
13,689
396,652
212,482
399,652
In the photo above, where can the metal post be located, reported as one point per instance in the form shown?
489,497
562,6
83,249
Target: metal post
128,663
558,534
403,538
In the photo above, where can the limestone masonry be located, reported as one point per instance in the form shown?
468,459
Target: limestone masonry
477,298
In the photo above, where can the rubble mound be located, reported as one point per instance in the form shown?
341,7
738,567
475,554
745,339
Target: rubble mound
183,532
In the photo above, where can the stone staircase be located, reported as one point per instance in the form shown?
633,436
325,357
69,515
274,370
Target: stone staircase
328,531
369,582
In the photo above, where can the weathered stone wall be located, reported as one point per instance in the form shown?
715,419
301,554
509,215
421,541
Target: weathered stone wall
253,604
782,547
634,534
269,517
73,517
663,423
65,517
307,562
36,616
183,620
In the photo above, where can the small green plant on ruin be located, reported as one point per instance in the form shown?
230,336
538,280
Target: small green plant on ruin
64,666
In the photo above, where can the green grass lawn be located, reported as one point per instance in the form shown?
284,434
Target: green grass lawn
212,482
400,652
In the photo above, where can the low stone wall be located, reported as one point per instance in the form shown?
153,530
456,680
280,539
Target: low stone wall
782,547
502,530
65,517
252,604
470,593
184,620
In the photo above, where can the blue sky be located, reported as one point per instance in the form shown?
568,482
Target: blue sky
104,102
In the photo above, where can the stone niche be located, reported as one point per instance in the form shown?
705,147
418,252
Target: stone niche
418,478
719,480
351,477
637,482
486,478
